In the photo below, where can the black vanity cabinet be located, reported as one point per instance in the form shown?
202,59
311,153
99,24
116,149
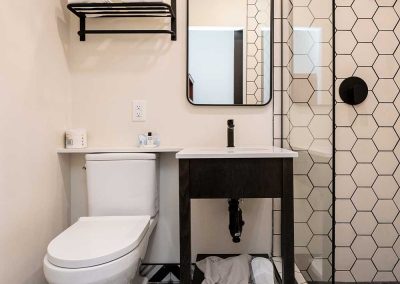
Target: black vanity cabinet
208,175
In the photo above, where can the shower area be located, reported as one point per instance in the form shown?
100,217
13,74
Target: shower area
347,201
303,122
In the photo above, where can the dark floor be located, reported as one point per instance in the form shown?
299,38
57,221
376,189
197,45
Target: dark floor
169,273
170,279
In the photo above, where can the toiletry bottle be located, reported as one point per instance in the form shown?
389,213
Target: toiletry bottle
150,141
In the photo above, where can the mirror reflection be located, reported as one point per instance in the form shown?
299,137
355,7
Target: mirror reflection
229,53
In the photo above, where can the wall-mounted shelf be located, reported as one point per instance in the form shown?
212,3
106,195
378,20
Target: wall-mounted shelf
161,149
125,10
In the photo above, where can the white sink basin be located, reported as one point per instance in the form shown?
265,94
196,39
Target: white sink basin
237,152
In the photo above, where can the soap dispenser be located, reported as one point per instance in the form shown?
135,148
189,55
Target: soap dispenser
150,140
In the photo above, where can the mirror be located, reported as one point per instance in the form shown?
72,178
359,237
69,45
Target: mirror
230,52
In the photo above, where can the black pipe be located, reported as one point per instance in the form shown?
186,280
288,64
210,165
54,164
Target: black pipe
236,222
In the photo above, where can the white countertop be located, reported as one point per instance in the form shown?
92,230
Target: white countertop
195,153
236,153
161,149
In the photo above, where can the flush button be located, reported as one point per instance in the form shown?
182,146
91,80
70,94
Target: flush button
353,90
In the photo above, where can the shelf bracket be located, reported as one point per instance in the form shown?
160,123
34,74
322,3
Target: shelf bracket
173,21
82,28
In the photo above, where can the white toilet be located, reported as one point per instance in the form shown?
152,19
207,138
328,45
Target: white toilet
108,246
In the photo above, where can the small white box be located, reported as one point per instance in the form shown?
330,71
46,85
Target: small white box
76,139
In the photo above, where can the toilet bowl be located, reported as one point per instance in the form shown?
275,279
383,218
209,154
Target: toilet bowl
99,250
109,245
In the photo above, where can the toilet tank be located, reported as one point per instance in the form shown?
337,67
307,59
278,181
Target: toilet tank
122,184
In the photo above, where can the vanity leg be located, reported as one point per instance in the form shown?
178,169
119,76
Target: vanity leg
184,222
287,241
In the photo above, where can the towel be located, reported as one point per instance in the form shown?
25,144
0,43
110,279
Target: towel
233,270
116,1
263,271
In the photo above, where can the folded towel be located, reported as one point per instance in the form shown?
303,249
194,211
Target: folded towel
233,270
263,271
116,1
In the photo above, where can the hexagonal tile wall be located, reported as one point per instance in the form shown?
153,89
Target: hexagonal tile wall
385,259
367,135
364,223
345,186
319,222
364,247
320,246
345,138
281,104
364,175
386,90
364,151
258,13
363,270
345,235
364,8
303,186
385,235
364,199
345,162
304,234
321,199
309,92
365,30
385,138
345,258
385,163
385,211
385,187
345,210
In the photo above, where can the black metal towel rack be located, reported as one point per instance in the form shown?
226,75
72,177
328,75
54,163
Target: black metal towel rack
126,10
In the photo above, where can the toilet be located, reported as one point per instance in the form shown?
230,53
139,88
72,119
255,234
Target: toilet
108,246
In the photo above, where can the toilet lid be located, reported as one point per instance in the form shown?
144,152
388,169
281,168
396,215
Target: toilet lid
97,240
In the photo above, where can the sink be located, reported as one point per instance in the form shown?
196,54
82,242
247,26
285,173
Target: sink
234,149
237,152
236,173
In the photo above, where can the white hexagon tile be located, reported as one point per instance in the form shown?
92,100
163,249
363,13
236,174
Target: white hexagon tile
364,247
363,270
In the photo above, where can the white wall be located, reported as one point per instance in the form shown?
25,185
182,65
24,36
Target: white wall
108,72
231,13
45,79
34,108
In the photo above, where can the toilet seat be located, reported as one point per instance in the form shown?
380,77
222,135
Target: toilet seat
94,241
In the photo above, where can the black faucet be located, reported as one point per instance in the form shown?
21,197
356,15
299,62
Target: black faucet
231,133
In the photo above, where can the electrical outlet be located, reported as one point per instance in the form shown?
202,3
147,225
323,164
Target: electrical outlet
139,111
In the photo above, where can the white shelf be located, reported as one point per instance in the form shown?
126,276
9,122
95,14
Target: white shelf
162,149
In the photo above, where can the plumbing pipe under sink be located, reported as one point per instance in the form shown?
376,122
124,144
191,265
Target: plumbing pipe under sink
235,213
236,222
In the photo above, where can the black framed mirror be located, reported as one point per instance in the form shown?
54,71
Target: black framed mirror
230,52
